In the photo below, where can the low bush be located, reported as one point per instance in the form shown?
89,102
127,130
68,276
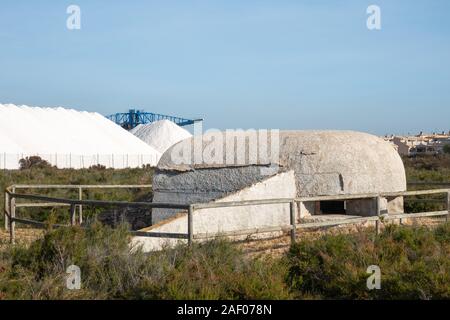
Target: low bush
99,167
109,270
414,263
428,162
52,175
33,162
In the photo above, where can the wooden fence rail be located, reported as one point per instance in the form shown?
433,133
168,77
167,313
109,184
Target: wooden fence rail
429,183
80,189
44,201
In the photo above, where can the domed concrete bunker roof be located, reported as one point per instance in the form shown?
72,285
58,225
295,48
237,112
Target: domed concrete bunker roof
324,162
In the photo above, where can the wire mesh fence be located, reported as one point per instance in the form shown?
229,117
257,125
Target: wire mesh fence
10,161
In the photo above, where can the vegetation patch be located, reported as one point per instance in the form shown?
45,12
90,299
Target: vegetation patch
93,175
110,270
414,263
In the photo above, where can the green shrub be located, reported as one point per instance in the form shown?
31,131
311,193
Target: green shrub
99,167
102,254
213,270
33,162
52,175
414,264
446,149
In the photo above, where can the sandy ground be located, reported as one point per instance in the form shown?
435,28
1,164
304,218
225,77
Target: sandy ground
23,236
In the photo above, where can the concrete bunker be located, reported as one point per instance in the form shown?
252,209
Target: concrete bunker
291,164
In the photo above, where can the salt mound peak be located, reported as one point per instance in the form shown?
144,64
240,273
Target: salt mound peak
135,129
161,135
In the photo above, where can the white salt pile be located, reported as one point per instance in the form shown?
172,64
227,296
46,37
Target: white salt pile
68,139
135,129
161,135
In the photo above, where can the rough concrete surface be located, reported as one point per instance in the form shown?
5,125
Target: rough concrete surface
216,220
325,163
321,163
200,186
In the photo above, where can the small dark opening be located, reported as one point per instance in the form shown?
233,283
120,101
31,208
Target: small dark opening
332,207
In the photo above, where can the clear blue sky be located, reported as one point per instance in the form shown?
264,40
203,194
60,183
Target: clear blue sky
239,64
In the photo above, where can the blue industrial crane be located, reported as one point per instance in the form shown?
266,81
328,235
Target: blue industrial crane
132,118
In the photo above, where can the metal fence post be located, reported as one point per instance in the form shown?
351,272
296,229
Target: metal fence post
190,225
12,213
80,207
378,209
72,215
293,222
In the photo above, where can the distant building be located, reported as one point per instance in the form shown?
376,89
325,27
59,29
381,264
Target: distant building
421,144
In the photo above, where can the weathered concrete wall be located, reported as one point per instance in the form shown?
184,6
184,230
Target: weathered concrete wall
200,186
341,162
395,205
324,163
360,207
306,209
235,218
367,207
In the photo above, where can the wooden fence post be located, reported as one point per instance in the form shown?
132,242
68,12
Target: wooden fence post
378,209
72,215
448,206
293,222
12,213
190,225
80,207
7,211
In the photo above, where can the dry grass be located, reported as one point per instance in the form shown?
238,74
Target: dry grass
24,236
